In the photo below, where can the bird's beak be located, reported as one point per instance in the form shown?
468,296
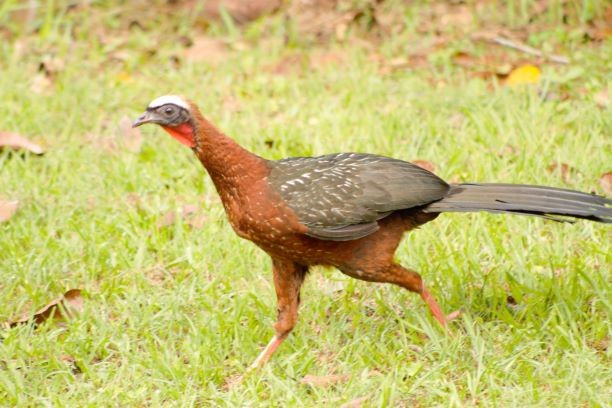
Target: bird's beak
146,117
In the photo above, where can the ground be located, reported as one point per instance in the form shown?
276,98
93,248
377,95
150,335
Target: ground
175,304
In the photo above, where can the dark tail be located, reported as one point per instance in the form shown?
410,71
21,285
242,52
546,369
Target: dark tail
547,202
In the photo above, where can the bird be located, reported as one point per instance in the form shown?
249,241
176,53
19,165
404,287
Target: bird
344,210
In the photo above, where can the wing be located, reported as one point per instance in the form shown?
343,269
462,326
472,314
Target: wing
341,197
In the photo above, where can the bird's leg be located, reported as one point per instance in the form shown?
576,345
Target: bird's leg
406,278
412,281
266,353
435,309
288,279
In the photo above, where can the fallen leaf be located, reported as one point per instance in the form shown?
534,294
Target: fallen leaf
324,59
424,164
197,221
40,84
291,64
16,141
62,308
356,403
606,182
600,345
134,199
324,380
241,11
8,209
233,381
207,49
106,143
71,363
464,59
231,104
564,169
525,74
456,120
131,138
192,215
602,98
167,219
538,7
51,65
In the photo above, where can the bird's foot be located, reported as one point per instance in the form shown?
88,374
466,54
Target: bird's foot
453,315
435,309
259,362
266,353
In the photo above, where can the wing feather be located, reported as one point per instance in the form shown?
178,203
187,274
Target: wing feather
342,196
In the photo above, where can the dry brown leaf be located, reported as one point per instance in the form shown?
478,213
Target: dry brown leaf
41,84
606,182
71,363
192,215
207,49
51,65
456,120
424,164
320,19
131,138
231,104
197,221
241,11
167,219
16,141
464,59
291,64
62,308
564,169
8,209
600,345
602,98
324,380
356,403
134,199
324,59
106,143
539,7
48,69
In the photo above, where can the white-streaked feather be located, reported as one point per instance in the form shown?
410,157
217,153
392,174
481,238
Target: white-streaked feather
173,99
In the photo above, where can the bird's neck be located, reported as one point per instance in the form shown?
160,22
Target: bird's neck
231,167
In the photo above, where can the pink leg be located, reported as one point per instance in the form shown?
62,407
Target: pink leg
267,352
406,278
288,278
435,309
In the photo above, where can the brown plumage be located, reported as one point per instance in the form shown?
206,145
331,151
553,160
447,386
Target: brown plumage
345,210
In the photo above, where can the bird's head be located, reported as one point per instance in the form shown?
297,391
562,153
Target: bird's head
175,115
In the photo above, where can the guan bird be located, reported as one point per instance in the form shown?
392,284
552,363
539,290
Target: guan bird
346,210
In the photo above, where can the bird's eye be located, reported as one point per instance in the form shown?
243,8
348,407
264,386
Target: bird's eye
169,111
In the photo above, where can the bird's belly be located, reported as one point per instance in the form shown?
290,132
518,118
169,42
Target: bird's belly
281,238
275,228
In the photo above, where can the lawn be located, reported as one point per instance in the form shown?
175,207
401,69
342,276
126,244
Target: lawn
175,304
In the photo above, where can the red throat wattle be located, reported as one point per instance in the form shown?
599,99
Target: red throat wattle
183,133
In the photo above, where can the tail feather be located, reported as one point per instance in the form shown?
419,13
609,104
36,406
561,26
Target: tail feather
548,202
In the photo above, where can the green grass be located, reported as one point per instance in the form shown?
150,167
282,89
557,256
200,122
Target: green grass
172,312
